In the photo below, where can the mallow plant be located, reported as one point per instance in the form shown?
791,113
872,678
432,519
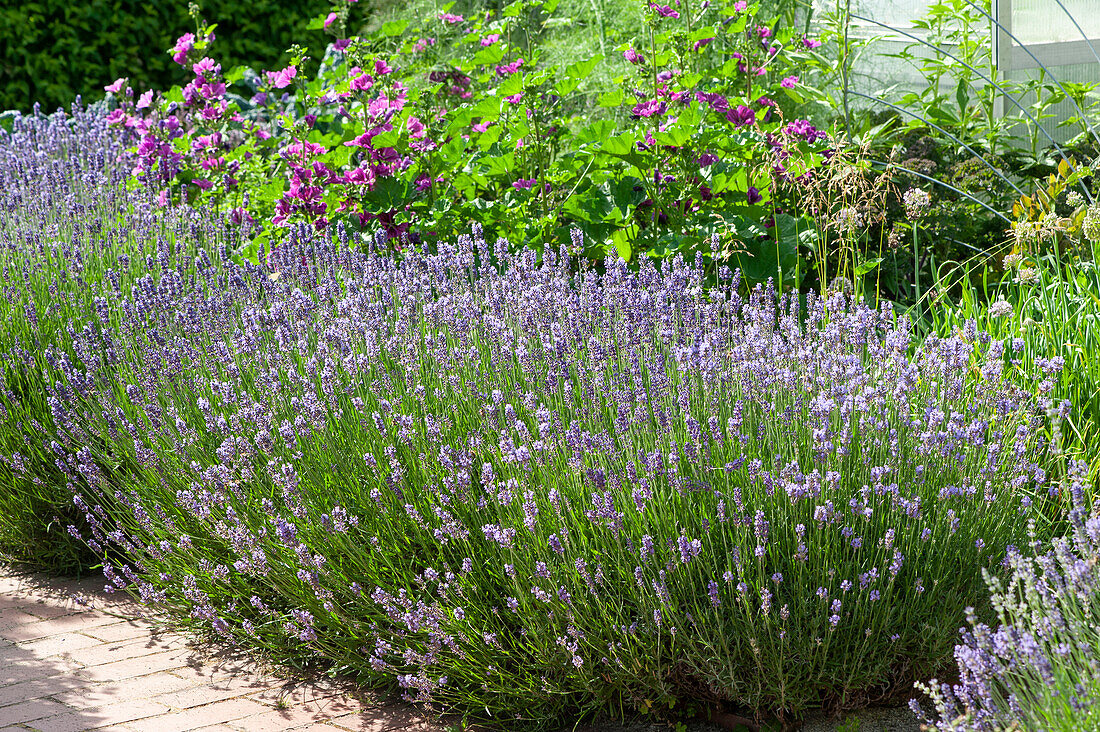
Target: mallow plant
421,128
523,488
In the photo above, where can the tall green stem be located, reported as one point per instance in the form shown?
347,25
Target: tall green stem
844,67
916,265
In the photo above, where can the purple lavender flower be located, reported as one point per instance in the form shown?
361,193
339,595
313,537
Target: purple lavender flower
339,415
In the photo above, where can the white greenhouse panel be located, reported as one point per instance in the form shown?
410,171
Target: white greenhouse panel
1045,21
1062,35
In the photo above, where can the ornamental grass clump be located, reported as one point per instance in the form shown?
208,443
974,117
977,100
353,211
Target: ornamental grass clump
1039,669
524,491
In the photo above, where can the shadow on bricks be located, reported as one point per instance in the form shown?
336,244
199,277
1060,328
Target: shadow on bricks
78,659
37,629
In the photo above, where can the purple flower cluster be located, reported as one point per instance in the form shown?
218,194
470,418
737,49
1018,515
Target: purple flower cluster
1040,668
604,471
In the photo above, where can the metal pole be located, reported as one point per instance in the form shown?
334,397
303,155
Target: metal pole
1001,31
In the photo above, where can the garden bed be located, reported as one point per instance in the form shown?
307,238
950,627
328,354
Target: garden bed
523,456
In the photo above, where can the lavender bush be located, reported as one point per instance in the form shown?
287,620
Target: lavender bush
514,487
61,196
1039,669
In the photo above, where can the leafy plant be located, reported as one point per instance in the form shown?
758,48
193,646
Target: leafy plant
415,131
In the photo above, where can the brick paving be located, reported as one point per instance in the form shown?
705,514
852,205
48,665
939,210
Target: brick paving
67,667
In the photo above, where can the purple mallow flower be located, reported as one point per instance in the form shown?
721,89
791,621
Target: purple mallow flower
741,115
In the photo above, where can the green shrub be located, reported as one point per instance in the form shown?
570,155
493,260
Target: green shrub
53,50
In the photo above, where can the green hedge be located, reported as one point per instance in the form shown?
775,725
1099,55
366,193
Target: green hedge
52,50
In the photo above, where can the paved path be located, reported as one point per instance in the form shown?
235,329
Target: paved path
67,668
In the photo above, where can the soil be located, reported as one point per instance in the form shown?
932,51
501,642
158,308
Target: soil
872,719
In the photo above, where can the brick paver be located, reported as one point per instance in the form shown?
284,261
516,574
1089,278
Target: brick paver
73,659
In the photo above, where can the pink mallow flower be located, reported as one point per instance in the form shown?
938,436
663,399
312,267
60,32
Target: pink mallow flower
203,142
116,86
145,100
183,46
509,69
212,91
305,148
424,182
330,19
633,56
649,108
283,78
239,216
811,42
417,129
362,82
449,18
490,39
359,177
378,106
664,11
523,184
741,116
789,82
206,68
213,112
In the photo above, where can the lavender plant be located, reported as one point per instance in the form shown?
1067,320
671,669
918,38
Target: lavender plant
61,192
521,487
1038,670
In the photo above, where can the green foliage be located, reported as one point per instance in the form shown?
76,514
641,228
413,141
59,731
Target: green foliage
53,50
36,499
33,526
421,127
1045,296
